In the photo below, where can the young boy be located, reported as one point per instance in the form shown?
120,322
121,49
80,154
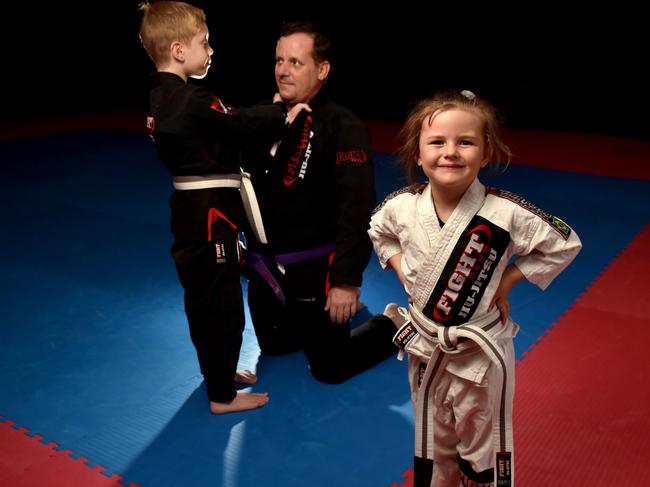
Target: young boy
198,137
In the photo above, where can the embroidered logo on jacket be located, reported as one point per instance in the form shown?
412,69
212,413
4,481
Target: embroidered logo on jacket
467,273
351,156
151,124
556,224
299,158
221,107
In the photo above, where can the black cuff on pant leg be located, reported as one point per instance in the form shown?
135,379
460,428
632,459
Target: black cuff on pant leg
222,393
422,472
485,477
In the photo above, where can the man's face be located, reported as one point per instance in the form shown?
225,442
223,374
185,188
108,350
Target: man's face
297,74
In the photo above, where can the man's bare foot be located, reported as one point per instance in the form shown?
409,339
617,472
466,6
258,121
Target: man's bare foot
243,402
245,377
392,311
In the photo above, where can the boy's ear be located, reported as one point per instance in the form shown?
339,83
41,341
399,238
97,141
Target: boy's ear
176,51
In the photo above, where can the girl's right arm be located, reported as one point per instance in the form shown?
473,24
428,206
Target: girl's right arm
384,238
396,263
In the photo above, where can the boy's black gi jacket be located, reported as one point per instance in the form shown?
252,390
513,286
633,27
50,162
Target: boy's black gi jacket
197,134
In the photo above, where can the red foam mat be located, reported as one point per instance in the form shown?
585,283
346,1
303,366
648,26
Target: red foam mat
582,404
25,461
565,151
583,153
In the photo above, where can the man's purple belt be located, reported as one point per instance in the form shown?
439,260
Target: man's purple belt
263,264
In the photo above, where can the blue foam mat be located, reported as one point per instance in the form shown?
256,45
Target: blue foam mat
95,352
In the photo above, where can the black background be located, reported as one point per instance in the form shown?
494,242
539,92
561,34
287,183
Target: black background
544,67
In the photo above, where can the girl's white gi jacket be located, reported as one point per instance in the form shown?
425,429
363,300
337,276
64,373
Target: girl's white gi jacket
452,273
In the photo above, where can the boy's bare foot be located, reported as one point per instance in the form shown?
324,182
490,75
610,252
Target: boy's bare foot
392,311
245,377
243,402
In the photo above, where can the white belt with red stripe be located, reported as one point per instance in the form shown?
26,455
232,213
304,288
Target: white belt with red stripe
240,181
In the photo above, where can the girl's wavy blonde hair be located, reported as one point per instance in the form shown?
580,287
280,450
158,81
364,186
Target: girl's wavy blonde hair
497,151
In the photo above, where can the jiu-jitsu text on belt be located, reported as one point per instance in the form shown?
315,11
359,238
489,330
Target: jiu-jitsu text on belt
453,340
240,181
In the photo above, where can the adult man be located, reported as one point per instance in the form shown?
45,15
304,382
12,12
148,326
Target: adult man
316,193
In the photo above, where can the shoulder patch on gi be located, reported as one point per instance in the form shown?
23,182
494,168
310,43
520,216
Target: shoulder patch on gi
351,157
416,188
151,124
221,107
557,224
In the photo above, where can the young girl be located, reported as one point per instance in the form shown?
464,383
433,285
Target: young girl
450,242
